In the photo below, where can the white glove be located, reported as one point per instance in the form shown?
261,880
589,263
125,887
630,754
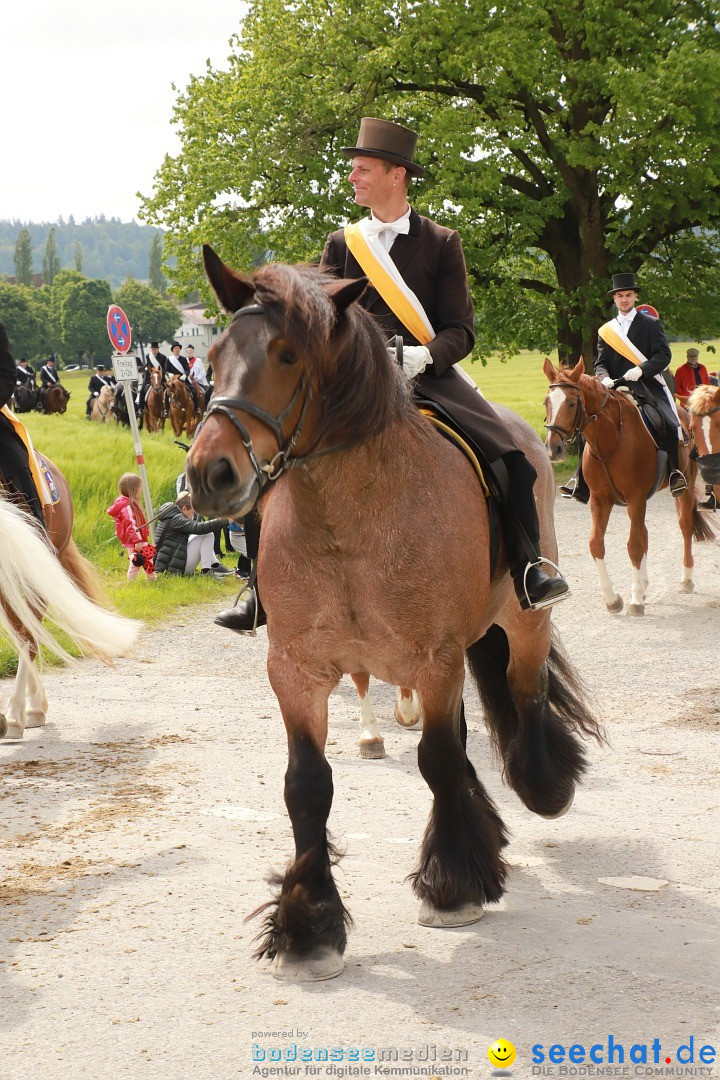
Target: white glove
633,374
415,359
607,381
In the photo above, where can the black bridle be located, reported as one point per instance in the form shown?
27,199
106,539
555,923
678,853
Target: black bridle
580,418
282,461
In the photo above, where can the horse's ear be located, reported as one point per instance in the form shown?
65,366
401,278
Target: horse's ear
232,290
345,292
578,370
549,370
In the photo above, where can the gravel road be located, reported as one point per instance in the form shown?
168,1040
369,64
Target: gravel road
138,828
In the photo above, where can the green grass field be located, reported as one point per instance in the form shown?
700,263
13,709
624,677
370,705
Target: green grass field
94,456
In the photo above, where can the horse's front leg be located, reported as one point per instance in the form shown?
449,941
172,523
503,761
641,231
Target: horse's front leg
601,511
371,742
305,930
637,547
407,708
15,708
461,868
685,506
37,705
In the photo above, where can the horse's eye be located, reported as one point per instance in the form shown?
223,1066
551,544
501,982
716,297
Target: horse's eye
286,357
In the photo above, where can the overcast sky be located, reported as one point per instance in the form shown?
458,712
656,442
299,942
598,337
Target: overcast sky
87,98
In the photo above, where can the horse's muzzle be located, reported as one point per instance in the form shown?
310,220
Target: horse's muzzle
217,489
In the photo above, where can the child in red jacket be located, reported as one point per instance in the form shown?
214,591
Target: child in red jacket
132,528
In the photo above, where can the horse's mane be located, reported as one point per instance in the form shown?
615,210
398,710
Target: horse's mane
345,354
703,399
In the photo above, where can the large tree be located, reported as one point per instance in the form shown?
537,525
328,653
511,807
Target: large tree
51,259
23,258
23,314
83,318
566,139
152,317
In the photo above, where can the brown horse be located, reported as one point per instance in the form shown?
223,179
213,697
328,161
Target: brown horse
65,582
704,408
154,414
620,467
184,415
311,412
55,399
101,410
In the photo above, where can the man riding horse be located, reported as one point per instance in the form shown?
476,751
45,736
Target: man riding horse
18,469
418,290
633,348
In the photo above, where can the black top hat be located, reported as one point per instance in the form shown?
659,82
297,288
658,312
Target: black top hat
101,367
154,345
383,139
175,344
623,282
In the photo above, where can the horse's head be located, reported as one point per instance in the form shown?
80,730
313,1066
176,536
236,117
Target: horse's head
288,379
704,408
563,407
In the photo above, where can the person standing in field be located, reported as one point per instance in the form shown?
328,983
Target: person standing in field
131,528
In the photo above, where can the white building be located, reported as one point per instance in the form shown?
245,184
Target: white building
197,329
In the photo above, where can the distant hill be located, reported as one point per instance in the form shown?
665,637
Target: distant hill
111,248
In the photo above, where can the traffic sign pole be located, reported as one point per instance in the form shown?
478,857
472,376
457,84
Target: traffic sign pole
124,374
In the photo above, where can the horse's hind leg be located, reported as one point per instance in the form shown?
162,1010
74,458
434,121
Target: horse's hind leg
685,504
461,868
371,741
37,705
305,929
534,710
407,708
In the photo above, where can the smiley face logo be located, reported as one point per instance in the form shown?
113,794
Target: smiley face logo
501,1054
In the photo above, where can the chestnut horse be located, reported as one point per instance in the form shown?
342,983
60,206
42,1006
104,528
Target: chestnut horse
59,523
153,416
704,408
311,412
184,415
620,467
55,399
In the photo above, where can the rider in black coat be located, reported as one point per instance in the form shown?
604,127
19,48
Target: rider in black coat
14,469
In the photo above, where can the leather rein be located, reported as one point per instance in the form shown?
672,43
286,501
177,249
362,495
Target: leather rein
282,461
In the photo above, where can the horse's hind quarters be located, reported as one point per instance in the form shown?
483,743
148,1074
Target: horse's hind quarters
323,963
562,812
464,915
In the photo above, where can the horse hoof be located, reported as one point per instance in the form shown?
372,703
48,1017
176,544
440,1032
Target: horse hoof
322,963
616,607
3,726
372,749
636,609
409,715
429,915
34,719
560,813
13,730
687,586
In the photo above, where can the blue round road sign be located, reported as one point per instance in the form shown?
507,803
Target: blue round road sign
118,327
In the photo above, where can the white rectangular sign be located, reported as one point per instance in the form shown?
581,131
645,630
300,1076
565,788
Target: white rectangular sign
124,368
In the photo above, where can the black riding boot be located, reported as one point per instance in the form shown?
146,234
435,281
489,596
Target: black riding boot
534,588
576,487
244,618
676,480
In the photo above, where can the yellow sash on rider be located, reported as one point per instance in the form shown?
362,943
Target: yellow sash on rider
24,435
612,337
385,277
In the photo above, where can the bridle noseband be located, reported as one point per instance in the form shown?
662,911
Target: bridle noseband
282,461
580,419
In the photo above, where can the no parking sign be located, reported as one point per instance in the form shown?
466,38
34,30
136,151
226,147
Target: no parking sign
118,328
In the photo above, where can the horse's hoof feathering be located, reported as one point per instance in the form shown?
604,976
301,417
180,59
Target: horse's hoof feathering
428,915
323,963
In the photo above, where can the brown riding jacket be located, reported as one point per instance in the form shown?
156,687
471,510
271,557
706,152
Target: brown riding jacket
431,261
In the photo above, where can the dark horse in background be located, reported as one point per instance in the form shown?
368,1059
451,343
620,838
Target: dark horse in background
27,397
310,410
54,399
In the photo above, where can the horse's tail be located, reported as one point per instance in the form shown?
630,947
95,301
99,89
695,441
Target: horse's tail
702,527
83,573
542,756
33,581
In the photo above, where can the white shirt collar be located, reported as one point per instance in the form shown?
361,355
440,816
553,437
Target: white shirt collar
386,231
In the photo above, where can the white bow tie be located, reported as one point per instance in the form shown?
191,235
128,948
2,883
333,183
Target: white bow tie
375,227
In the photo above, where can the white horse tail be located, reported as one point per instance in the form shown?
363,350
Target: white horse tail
33,582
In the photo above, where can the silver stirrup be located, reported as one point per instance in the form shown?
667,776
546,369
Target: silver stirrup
248,589
542,603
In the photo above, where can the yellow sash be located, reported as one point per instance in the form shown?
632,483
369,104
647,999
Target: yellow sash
612,337
24,435
385,277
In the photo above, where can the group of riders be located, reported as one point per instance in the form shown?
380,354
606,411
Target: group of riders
28,394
